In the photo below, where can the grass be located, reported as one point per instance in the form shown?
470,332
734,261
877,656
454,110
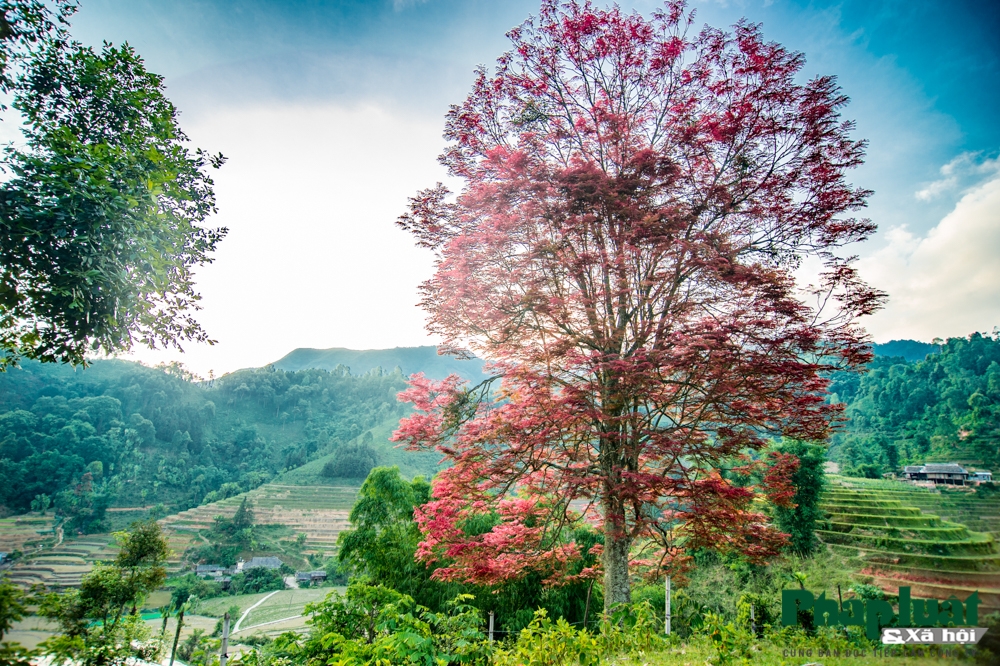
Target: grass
218,606
287,603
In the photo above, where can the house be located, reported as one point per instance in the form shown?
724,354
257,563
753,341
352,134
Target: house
939,473
263,562
310,576
209,570
977,477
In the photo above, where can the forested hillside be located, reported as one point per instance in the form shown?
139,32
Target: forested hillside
121,433
945,407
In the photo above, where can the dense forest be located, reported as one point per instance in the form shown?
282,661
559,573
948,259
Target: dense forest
122,434
119,433
944,407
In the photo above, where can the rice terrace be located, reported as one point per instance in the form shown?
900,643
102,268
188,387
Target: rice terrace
522,333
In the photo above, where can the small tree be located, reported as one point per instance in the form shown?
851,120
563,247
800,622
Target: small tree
99,621
635,203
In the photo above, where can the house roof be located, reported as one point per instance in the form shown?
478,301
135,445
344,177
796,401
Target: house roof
266,562
913,469
944,468
208,568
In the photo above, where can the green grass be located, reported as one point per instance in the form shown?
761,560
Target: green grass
287,603
218,606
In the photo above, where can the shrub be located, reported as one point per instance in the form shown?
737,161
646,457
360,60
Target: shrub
353,461
257,579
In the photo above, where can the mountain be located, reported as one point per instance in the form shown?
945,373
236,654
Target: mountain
409,359
911,350
121,434
942,408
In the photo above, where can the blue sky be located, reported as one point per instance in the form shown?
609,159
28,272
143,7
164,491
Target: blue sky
331,114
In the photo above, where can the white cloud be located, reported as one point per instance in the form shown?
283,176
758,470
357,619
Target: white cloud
946,283
313,258
957,173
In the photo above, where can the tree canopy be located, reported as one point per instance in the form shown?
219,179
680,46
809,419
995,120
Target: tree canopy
102,215
635,202
118,433
901,412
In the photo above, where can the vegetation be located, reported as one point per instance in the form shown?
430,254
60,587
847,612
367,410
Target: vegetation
102,212
945,407
99,622
120,433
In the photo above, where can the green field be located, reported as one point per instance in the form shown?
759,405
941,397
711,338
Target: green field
319,512
410,463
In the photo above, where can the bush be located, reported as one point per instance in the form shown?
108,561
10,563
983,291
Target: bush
353,461
257,579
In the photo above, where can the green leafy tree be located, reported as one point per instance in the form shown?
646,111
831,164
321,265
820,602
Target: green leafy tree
378,625
799,520
382,543
14,605
257,579
99,621
101,219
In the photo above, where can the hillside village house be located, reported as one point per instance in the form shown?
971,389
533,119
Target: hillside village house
939,473
263,562
310,576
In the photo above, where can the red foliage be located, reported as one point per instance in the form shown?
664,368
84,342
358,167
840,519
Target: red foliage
636,201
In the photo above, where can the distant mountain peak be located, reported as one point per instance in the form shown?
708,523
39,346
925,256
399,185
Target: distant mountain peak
410,360
911,350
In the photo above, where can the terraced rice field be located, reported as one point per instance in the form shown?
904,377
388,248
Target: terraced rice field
890,526
318,511
65,564
26,532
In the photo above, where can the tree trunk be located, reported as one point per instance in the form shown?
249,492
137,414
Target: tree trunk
617,543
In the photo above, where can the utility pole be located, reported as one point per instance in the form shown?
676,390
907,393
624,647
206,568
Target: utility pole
667,622
224,653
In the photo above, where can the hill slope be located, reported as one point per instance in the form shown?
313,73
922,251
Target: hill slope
119,434
409,359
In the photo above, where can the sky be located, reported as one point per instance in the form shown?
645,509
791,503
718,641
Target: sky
330,114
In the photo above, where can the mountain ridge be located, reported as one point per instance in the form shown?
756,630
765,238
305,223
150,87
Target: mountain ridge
409,359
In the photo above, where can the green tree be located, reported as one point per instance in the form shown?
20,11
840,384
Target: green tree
142,558
101,217
257,579
383,542
799,521
244,517
14,605
99,621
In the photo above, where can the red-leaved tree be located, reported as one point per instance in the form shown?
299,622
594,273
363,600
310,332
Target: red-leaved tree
635,203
